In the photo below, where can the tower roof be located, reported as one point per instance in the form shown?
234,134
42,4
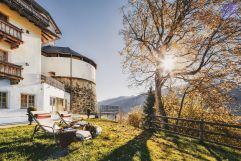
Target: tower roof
56,51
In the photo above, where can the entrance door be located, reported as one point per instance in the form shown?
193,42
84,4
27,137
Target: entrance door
60,104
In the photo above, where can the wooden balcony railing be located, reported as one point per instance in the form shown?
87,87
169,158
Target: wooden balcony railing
53,82
10,33
10,71
11,29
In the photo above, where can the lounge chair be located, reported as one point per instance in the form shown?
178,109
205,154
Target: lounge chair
65,117
44,124
68,120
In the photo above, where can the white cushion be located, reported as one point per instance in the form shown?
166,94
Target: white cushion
49,122
63,112
98,130
68,119
82,123
76,126
83,135
39,112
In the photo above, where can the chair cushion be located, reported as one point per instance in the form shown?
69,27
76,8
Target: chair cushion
44,119
83,135
50,130
63,112
82,123
98,130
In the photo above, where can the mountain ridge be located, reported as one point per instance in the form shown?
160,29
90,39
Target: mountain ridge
127,103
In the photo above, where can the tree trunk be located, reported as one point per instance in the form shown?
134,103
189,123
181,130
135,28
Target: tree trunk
159,82
182,103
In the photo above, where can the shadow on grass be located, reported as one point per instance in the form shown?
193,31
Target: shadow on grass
184,146
36,151
218,152
222,153
134,147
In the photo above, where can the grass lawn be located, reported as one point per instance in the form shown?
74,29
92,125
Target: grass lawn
117,142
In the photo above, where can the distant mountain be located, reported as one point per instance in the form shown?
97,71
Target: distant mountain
112,101
126,103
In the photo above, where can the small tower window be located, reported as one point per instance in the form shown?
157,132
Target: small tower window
51,74
3,17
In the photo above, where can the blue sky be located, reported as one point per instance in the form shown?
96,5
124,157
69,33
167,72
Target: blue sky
92,27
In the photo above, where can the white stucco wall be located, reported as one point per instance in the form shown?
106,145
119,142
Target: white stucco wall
42,93
14,94
29,52
14,114
50,91
61,67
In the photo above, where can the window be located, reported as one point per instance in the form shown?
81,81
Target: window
66,103
30,101
3,100
3,17
3,56
52,101
27,101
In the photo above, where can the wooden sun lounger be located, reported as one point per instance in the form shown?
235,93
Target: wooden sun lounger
65,117
44,124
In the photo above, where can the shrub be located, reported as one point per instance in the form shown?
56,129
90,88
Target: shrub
122,117
135,117
195,107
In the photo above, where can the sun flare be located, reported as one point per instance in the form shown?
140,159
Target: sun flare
168,63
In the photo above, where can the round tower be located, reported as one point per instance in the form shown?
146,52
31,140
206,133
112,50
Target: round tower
76,72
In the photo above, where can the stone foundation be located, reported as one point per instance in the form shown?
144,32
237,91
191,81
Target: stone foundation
83,94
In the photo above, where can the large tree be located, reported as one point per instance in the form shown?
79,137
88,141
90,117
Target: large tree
181,39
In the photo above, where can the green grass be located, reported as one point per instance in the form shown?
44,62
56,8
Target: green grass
117,142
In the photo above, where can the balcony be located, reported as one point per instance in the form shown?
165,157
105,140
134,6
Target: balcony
52,82
11,72
10,34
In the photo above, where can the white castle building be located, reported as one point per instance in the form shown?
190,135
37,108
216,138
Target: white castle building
30,64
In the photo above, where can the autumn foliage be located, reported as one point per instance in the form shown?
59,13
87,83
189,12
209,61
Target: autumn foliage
201,36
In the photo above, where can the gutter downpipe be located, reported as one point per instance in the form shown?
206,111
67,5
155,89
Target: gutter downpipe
71,82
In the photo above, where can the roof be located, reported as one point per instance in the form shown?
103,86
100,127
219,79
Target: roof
24,8
51,51
40,8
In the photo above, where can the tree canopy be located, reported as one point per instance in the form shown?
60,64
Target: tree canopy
200,37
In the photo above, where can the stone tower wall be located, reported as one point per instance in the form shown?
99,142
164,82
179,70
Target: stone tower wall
83,94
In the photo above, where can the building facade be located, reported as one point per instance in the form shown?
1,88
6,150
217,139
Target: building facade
27,74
